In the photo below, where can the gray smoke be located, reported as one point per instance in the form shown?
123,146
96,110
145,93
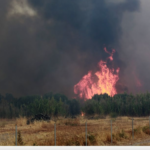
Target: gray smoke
48,45
135,47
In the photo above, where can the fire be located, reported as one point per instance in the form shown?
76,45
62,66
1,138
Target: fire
107,79
82,114
111,54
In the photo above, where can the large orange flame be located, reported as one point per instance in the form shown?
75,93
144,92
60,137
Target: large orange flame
107,79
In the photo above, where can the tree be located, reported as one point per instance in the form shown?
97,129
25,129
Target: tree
74,107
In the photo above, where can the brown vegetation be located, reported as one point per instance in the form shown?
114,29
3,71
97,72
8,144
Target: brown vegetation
72,132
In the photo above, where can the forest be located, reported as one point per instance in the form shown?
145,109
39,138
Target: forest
59,105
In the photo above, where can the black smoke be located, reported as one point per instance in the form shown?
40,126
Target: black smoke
54,49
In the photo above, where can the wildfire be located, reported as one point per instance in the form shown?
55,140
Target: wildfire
107,79
111,54
82,114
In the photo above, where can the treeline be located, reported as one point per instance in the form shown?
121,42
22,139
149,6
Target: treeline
59,105
51,104
119,105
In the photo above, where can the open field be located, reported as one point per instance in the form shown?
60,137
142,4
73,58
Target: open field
72,132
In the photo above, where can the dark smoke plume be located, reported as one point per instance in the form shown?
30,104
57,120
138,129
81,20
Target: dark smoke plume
52,50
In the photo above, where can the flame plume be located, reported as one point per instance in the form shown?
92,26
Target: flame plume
107,79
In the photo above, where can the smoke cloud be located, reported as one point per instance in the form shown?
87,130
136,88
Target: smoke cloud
48,45
135,48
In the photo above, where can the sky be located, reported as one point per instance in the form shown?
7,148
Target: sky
49,45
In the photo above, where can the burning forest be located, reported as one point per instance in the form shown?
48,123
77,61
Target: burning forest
75,51
77,48
105,83
71,61
95,52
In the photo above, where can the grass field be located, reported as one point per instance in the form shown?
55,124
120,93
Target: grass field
72,132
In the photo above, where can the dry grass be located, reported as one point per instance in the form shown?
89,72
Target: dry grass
20,140
72,132
21,121
146,129
69,122
2,124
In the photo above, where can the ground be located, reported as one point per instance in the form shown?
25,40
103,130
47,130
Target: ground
72,132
